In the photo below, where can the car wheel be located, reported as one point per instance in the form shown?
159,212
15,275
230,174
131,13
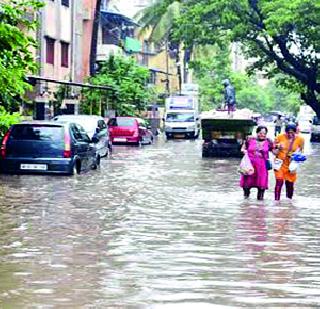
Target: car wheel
76,169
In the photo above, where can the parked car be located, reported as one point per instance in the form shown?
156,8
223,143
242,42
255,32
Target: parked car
47,147
315,129
94,126
131,130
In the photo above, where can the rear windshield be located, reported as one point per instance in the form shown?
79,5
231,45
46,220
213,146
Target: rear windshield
37,132
121,122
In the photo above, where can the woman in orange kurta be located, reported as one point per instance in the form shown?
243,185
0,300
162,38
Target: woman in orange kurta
285,145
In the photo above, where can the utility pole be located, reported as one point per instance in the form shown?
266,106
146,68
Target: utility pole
167,68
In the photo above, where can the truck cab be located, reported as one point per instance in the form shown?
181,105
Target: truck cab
182,123
181,118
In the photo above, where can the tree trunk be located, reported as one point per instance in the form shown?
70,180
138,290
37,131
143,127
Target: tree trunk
94,38
310,97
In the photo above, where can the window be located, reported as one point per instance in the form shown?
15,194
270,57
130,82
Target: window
64,54
101,125
65,2
49,50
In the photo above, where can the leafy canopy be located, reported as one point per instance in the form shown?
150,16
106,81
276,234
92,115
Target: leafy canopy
281,36
128,79
16,58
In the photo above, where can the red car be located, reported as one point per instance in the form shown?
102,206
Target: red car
129,130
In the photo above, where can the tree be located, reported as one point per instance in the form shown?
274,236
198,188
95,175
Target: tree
127,78
159,18
281,36
16,59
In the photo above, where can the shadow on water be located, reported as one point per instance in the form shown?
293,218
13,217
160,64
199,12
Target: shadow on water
159,227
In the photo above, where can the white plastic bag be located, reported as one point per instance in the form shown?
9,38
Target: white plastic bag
277,163
294,166
246,167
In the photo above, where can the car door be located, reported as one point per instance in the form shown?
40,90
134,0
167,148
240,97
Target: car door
82,145
143,130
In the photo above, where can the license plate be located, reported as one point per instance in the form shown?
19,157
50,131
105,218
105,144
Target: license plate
34,167
179,135
118,139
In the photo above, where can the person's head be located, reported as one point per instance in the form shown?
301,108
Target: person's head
226,82
291,129
262,132
279,116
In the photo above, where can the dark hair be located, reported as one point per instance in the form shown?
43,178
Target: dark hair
291,126
260,128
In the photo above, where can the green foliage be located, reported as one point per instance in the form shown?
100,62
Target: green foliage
159,18
280,36
6,120
128,79
16,60
212,65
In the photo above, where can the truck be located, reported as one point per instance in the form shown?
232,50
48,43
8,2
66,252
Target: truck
181,118
222,135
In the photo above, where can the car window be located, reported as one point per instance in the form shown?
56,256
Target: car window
316,121
79,133
122,122
37,132
102,125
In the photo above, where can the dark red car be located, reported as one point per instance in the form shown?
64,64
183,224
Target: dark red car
129,130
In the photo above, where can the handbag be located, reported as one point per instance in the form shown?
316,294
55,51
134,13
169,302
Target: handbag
268,165
277,163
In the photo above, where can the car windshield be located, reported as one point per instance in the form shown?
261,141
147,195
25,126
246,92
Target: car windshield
89,125
37,132
121,122
180,117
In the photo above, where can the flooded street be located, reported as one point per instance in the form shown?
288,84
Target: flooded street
158,227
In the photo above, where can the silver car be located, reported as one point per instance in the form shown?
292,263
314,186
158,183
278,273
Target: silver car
94,126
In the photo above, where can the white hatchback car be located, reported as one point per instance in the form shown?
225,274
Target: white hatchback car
94,126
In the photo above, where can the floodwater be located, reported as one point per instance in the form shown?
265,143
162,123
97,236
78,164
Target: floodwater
158,227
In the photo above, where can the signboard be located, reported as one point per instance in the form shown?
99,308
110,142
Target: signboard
180,102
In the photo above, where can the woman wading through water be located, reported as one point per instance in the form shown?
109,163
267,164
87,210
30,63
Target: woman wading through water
257,149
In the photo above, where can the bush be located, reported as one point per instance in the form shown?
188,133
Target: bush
6,120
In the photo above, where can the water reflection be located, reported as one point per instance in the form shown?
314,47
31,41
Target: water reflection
158,227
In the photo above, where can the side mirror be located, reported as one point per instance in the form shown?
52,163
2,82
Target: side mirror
163,119
94,140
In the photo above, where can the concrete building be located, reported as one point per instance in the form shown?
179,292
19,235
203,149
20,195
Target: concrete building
65,39
64,48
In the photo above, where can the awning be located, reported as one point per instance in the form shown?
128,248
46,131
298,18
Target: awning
108,17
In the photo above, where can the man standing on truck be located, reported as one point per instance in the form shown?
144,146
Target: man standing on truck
229,96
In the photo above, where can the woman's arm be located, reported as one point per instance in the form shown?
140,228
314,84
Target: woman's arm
244,147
